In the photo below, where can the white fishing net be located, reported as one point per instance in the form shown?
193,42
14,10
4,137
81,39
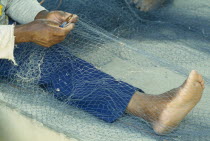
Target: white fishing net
152,51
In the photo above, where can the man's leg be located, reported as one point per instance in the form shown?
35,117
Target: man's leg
69,79
100,94
80,84
166,111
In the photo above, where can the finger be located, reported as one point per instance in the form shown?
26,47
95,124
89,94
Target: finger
70,18
43,44
73,19
58,39
54,40
65,16
49,44
56,30
68,28
53,23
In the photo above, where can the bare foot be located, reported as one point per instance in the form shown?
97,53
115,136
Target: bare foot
148,5
167,110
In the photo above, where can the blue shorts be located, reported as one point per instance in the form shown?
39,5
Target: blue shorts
72,80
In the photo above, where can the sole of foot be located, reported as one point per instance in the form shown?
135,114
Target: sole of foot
185,99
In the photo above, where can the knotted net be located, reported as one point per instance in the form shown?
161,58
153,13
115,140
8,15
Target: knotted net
153,51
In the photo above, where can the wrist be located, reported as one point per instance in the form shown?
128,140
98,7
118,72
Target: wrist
42,15
22,34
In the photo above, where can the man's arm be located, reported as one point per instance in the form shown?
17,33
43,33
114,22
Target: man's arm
23,11
39,26
43,32
21,34
42,14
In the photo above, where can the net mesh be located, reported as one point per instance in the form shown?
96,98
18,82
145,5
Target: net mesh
153,51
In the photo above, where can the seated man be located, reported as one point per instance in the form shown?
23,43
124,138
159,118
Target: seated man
79,83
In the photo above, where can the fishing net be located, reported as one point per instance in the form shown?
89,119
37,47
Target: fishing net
152,51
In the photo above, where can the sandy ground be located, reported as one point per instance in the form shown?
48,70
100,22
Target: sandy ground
14,126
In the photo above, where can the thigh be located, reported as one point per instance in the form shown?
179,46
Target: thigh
80,84
70,79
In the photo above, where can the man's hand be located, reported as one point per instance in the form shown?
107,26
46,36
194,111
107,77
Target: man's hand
42,32
46,30
57,16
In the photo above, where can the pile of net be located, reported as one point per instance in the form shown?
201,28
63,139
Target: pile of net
154,51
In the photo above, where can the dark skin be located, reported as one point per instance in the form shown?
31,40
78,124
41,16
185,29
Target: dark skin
45,30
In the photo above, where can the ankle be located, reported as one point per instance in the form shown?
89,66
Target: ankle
135,105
